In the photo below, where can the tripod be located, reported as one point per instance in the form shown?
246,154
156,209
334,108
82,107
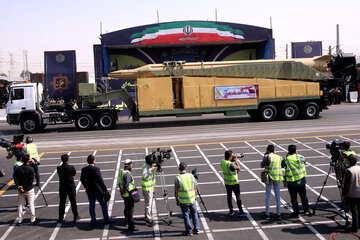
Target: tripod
340,212
202,202
43,195
164,190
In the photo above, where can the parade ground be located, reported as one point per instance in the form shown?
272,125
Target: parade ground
215,222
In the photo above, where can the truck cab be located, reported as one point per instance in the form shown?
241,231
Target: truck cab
22,104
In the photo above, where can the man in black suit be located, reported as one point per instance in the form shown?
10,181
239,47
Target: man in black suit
95,188
67,188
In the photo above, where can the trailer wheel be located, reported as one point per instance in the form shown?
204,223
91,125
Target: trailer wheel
84,122
29,124
289,111
267,112
310,110
106,121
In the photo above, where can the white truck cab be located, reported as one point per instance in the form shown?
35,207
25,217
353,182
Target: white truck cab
24,99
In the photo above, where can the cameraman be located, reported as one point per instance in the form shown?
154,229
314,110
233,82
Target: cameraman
31,149
295,172
24,177
230,167
185,196
346,152
272,164
351,192
126,184
148,184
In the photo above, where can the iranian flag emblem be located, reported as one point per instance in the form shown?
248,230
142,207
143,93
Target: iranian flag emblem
187,32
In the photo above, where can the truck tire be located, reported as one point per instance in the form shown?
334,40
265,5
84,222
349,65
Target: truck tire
29,124
106,121
84,122
267,112
310,110
289,111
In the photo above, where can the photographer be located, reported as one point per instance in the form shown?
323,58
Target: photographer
351,192
345,153
185,196
148,184
31,149
295,172
230,167
18,160
126,184
24,177
272,164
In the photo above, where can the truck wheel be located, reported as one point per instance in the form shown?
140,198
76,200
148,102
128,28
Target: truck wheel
84,122
106,121
29,124
310,110
289,111
267,112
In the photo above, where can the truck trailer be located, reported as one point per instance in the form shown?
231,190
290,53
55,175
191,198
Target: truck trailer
264,89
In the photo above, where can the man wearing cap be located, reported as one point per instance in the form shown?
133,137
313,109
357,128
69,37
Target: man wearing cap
185,195
126,184
95,188
31,149
148,185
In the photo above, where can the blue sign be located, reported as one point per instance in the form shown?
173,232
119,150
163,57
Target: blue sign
60,70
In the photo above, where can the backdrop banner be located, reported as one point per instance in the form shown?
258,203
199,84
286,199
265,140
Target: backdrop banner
60,70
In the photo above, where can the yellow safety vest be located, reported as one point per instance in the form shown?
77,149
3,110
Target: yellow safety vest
186,193
121,183
230,177
149,182
274,169
31,149
295,169
347,154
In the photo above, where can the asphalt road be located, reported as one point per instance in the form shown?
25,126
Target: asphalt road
201,143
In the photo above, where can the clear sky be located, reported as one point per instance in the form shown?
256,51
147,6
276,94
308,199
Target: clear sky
51,25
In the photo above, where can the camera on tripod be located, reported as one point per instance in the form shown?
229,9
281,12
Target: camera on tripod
158,157
335,148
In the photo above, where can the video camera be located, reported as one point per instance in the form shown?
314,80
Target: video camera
11,146
334,148
194,172
237,155
157,157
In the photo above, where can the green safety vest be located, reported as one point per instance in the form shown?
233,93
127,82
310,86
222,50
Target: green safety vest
31,149
295,169
121,183
18,163
274,169
149,182
347,154
186,193
230,177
